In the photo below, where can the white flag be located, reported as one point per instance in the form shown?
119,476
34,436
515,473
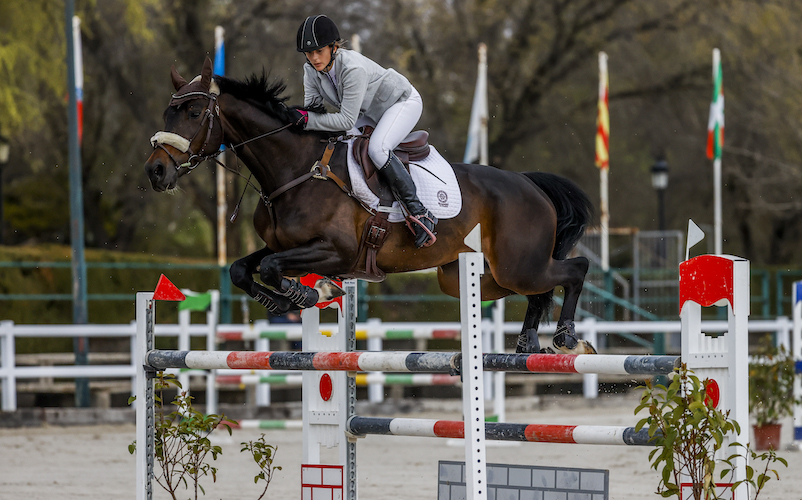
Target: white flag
476,147
695,235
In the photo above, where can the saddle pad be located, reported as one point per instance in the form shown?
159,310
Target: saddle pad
435,182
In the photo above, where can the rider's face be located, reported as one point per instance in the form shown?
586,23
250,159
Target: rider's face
320,58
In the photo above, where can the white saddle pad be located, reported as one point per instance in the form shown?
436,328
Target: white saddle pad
435,182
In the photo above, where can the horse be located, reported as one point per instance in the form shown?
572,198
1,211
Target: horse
529,221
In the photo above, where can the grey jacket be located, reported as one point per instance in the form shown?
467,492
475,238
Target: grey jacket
363,88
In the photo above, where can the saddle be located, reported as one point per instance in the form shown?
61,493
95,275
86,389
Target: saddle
415,147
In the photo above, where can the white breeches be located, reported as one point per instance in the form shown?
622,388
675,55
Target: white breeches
394,125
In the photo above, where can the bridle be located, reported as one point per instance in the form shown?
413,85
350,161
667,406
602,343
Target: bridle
183,144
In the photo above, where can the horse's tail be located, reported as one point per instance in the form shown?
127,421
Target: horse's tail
574,212
574,209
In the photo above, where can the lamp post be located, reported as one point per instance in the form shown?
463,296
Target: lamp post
5,150
660,183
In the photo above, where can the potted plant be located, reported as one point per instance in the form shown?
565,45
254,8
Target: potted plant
688,431
771,397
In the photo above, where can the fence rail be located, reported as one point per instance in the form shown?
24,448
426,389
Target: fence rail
589,329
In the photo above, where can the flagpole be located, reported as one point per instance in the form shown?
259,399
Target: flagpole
476,148
717,224
603,161
222,248
483,151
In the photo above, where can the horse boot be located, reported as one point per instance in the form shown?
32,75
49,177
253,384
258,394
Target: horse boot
423,221
528,343
300,295
565,337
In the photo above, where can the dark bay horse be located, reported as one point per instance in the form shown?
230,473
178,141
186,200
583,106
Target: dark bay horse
529,222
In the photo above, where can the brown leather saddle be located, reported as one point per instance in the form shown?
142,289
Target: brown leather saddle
414,148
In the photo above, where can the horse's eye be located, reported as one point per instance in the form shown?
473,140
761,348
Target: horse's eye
194,113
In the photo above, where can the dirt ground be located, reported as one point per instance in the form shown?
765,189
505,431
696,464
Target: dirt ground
93,463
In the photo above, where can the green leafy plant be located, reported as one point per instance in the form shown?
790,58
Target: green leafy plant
263,454
771,384
182,445
687,431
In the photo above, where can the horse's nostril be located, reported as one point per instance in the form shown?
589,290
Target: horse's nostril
158,171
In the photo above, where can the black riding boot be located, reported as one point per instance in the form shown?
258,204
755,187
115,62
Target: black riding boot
423,221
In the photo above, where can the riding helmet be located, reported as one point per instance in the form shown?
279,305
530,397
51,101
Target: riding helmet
316,32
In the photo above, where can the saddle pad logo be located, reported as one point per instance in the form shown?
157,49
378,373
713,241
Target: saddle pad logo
442,198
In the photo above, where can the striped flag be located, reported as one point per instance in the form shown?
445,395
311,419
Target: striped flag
603,118
715,125
79,75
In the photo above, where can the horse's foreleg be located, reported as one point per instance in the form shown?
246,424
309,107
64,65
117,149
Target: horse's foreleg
317,257
242,271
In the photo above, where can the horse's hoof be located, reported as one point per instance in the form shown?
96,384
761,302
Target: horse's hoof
327,290
528,343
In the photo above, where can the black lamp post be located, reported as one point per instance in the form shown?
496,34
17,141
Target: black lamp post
5,149
660,183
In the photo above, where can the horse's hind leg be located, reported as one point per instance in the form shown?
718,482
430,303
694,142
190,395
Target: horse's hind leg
573,278
538,307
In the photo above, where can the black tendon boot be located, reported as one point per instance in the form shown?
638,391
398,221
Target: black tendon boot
422,220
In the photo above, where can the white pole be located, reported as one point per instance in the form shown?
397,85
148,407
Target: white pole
796,354
717,233
476,148
222,250
603,175
483,116
471,268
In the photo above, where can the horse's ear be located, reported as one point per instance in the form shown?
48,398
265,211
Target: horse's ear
206,74
178,80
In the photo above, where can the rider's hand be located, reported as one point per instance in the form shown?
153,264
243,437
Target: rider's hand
301,117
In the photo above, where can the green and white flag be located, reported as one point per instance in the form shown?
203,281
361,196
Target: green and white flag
715,125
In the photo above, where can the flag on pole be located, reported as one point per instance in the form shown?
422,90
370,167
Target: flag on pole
476,138
603,117
219,51
220,56
79,75
715,125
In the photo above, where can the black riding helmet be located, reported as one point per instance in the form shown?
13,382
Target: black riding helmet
316,32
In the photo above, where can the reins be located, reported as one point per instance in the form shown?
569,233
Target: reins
320,169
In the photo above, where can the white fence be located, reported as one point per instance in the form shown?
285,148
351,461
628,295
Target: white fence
375,331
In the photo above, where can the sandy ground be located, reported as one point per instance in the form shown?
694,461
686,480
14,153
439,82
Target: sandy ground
93,463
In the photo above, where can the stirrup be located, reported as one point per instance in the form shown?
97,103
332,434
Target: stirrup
417,224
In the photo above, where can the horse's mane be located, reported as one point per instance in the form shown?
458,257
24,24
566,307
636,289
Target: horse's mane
262,93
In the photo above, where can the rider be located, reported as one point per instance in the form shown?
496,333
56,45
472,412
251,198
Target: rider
366,94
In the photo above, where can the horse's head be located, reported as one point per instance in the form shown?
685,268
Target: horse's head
192,130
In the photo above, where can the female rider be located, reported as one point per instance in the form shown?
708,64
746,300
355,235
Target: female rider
365,94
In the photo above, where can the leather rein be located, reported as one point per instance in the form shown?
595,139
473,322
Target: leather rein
320,169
